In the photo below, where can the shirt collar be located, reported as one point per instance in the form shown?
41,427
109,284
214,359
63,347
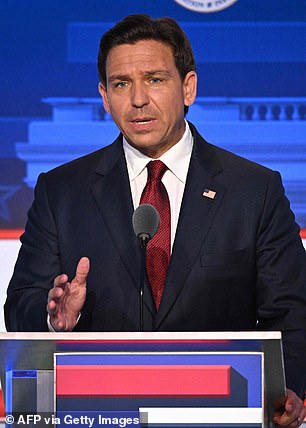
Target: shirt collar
176,159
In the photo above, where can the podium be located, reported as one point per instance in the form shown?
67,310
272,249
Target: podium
159,379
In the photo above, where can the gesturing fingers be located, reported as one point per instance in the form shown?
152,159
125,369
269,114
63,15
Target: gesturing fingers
60,280
56,293
82,271
54,296
66,299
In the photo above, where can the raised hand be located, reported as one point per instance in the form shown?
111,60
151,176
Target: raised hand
66,299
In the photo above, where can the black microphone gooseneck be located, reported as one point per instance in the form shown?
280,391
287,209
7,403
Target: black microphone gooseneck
145,223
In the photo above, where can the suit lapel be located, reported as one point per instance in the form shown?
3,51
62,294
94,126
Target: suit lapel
196,215
112,193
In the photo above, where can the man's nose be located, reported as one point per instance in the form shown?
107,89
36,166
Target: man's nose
139,96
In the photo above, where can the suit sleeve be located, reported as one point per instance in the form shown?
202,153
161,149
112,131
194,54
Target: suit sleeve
281,286
37,265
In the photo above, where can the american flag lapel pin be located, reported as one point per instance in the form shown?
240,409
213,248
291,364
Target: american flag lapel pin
211,194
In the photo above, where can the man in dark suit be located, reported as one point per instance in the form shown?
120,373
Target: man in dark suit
237,261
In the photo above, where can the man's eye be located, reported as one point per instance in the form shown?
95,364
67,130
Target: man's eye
120,84
155,80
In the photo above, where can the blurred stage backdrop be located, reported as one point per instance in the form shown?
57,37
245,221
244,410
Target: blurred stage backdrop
251,61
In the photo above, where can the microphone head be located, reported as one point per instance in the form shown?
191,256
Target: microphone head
145,221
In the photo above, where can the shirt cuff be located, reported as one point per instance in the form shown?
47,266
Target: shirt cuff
52,329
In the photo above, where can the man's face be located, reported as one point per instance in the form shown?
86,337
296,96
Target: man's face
146,96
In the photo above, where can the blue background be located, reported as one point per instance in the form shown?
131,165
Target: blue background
255,49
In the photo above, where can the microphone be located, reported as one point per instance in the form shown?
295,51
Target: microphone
146,222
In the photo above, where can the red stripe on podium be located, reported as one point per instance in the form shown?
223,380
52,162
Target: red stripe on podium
11,233
144,380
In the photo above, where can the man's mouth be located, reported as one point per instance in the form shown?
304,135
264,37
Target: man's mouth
143,124
142,120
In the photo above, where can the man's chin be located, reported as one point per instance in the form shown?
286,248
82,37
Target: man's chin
149,148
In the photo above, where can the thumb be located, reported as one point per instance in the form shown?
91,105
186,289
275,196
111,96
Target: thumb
289,406
82,270
290,401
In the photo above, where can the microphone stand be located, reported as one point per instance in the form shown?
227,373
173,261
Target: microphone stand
143,240
146,222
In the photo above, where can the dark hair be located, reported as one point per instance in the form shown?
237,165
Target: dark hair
134,28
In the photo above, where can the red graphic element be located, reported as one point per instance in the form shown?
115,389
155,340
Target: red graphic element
143,380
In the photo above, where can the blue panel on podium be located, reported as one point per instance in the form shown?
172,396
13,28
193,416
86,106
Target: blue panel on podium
195,383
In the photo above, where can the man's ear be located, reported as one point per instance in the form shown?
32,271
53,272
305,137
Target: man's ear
190,88
103,93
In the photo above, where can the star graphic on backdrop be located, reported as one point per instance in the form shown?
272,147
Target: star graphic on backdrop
6,192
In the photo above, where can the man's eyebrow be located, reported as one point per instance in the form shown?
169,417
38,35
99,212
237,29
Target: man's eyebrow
154,72
124,77
118,77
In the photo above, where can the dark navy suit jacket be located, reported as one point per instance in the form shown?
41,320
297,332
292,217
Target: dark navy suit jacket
237,261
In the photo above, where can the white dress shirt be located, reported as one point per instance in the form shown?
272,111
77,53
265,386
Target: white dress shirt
176,159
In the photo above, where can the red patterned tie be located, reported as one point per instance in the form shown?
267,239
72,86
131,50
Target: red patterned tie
158,250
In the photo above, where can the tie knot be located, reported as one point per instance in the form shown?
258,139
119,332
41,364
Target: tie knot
156,169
